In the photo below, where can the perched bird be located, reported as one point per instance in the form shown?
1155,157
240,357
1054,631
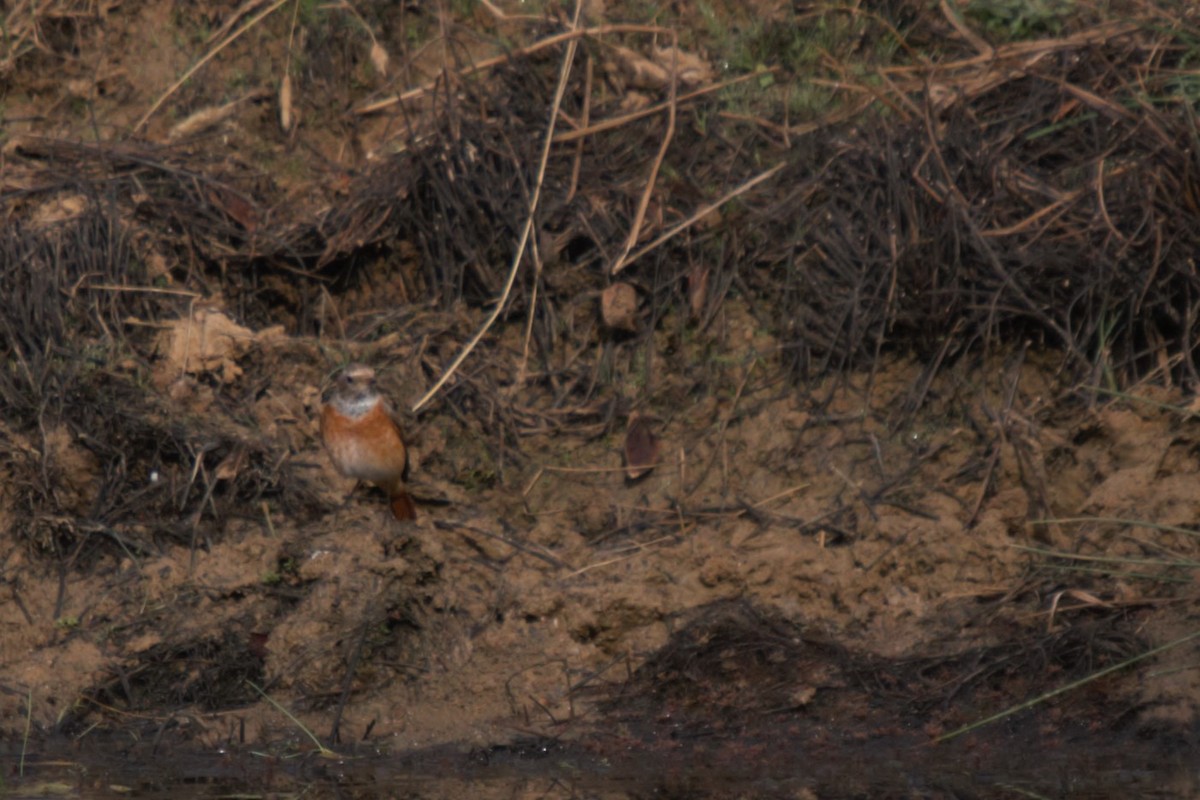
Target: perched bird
360,431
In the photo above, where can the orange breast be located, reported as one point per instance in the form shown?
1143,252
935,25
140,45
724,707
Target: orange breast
368,447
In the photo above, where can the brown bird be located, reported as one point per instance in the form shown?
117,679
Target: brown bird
360,431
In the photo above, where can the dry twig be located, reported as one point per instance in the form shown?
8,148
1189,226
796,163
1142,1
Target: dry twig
502,300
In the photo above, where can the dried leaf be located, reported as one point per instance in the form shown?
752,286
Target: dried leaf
691,68
379,57
638,70
803,695
641,447
59,207
231,466
287,117
697,279
201,120
633,101
235,206
211,116
84,88
618,307
1087,598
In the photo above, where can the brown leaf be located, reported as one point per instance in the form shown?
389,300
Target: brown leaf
697,289
633,101
637,70
256,644
618,307
402,506
287,117
235,206
379,58
231,466
201,120
641,447
691,68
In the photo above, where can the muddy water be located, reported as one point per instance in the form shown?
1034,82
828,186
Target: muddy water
978,770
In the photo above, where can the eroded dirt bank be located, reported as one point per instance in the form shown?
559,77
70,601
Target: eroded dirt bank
916,460
789,545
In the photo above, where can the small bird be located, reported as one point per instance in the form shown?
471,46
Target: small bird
360,431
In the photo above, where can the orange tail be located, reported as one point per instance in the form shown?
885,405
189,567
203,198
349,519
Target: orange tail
403,507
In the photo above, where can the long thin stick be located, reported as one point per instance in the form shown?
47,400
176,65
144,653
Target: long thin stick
700,214
1135,523
209,56
502,301
1063,689
322,749
571,36
558,38
617,122
28,726
640,217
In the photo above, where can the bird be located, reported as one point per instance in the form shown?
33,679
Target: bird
363,437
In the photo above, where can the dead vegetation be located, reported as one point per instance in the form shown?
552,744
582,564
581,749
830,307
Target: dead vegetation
165,303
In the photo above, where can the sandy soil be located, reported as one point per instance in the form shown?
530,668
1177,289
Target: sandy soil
487,617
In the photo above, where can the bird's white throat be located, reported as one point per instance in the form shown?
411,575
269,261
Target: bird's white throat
357,405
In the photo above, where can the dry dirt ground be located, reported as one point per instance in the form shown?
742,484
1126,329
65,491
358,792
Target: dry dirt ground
487,617
539,580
